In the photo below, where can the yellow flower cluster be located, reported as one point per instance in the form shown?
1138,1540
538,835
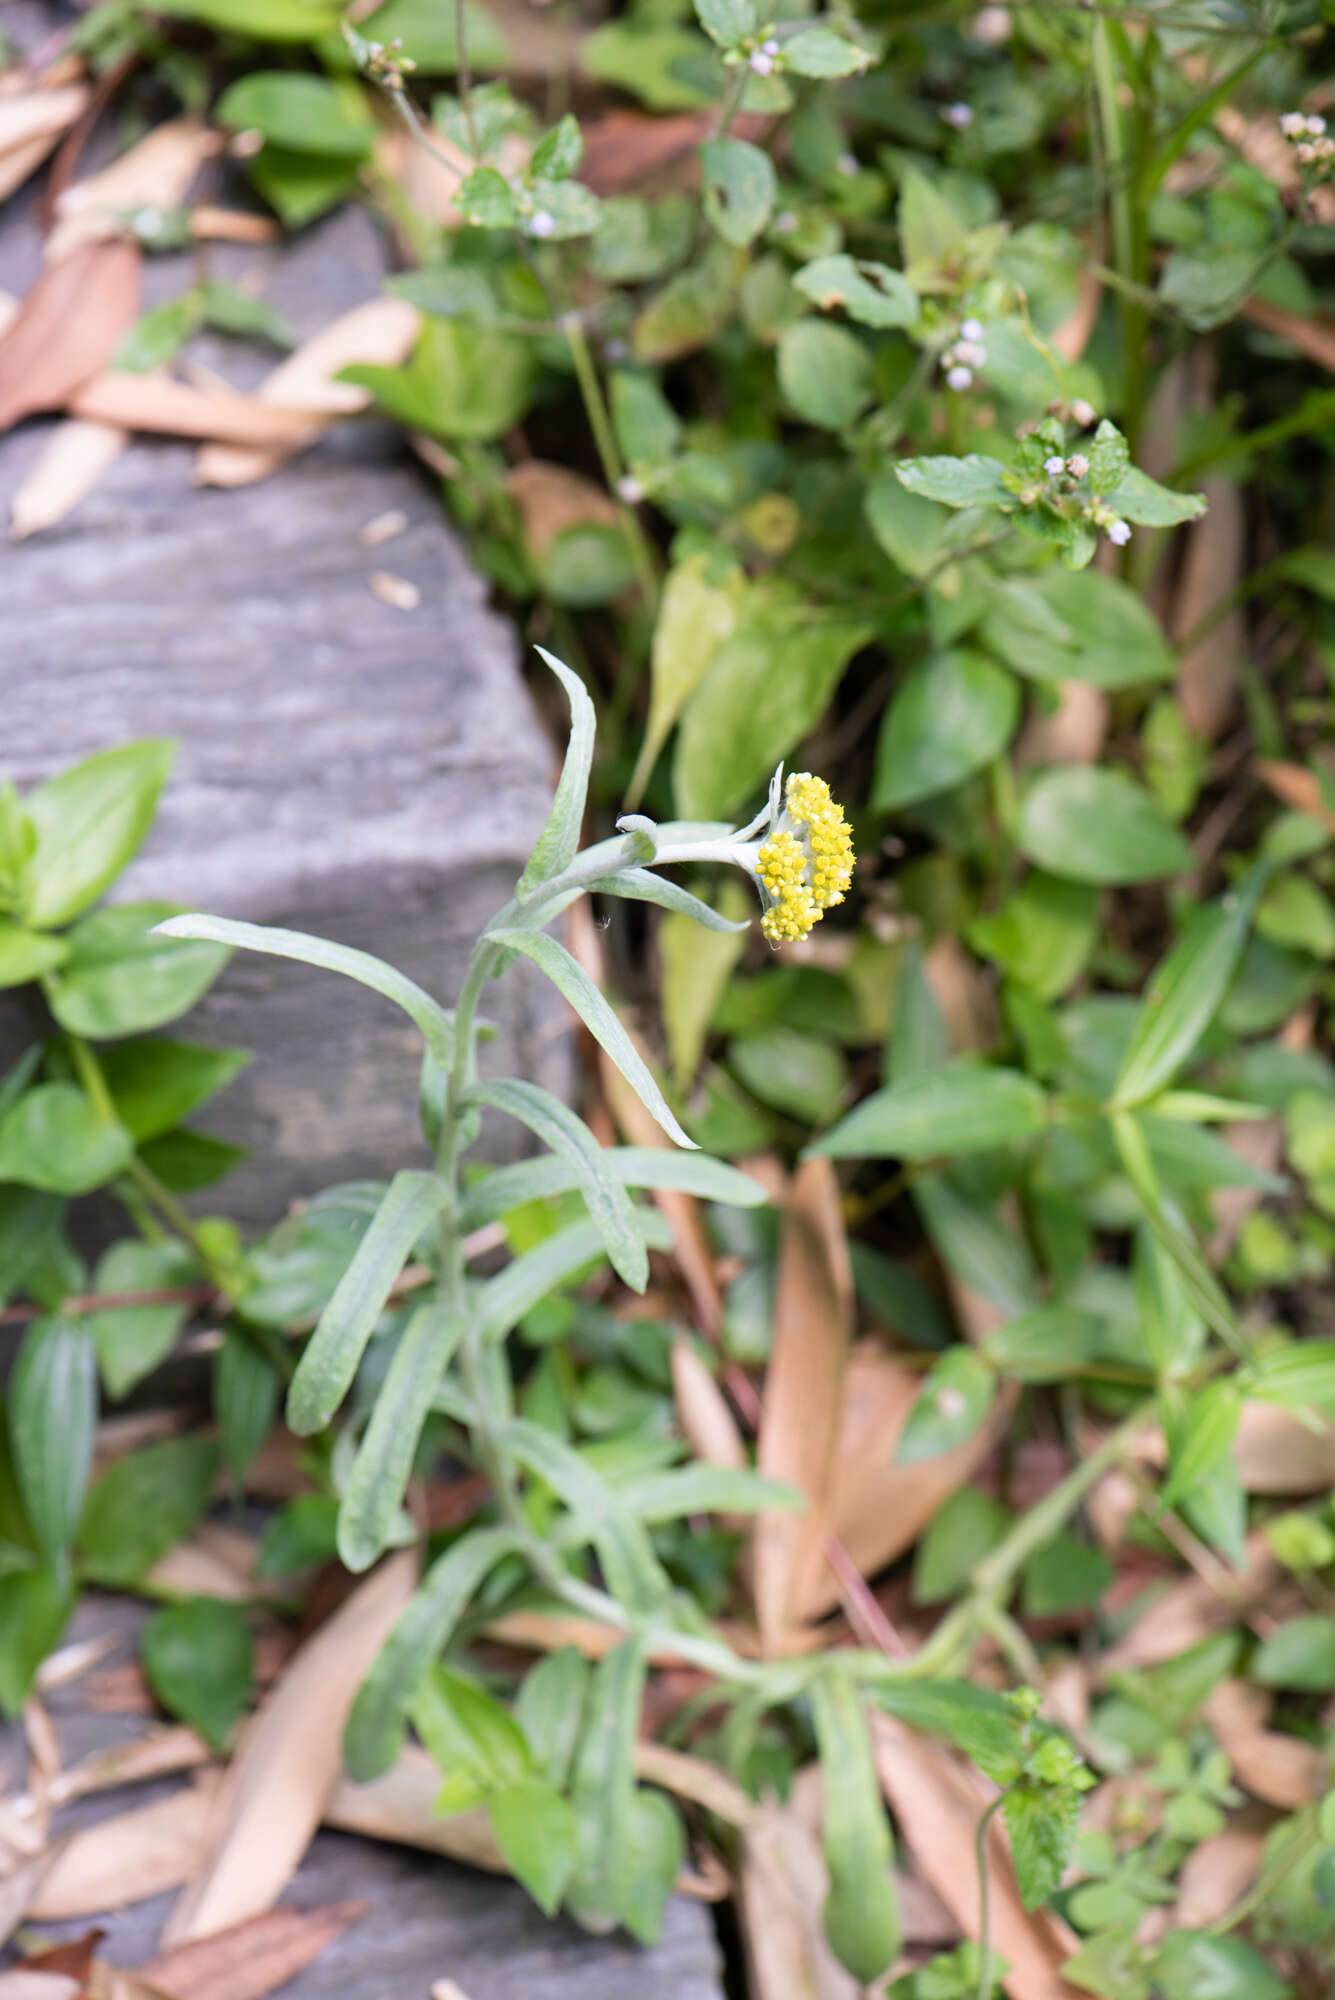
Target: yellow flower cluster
807,875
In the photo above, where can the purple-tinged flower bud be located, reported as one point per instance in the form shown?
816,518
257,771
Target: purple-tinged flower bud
1119,532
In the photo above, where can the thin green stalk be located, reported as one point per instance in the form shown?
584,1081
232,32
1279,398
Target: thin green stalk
600,424
464,75
1126,228
985,1820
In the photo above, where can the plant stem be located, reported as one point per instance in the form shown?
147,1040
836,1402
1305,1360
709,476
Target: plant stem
600,424
464,76
985,1820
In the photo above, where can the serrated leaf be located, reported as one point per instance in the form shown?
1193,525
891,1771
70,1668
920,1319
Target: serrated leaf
972,481
1042,1822
727,22
1138,498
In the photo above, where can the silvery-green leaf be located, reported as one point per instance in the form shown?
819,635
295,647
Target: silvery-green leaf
431,1018
705,1489
605,1197
504,1299
574,983
559,839
325,1371
634,1166
634,1574
384,1458
641,885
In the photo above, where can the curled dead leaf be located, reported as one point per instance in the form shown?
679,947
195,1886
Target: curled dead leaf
31,123
67,328
782,1887
155,403
157,173
1192,1609
1215,1874
1280,1769
126,1859
252,1959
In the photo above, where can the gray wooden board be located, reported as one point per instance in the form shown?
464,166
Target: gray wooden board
344,767
429,1918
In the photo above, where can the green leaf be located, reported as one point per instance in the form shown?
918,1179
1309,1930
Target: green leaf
376,1726
199,1661
1193,1965
634,1574
693,307
503,1301
647,1863
185,1161
802,1075
739,188
1045,1344
432,1020
869,292
155,1083
1299,1654
34,1610
682,1490
464,380
862,1909
142,1506
549,1708
977,1721
558,152
1185,993
472,1736
90,820
1078,625
428,34
825,373
324,1373
964,1529
265,20
132,1340
599,1017
1042,1821
299,1537
820,52
967,1107
245,1401
53,1139
1299,1377
956,482
300,186
505,1188
956,1394
1138,498
602,1788
157,337
1088,823
227,309
535,1831
973,1243
26,955
52,1421
1042,935
123,976
604,1196
1065,1575
951,716
727,22
307,114
910,529
556,845
486,199
384,1461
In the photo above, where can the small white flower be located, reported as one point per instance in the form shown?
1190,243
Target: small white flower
959,378
761,61
540,223
630,490
1316,125
958,115
991,25
971,329
1052,466
1119,532
770,47
1292,124
785,222
1077,465
1083,412
848,163
971,352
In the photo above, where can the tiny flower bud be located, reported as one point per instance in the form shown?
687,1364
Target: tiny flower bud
971,329
991,25
785,222
958,115
1052,466
761,61
630,490
615,351
1292,124
770,47
848,163
1077,465
1083,412
1316,125
540,223
971,352
1119,532
1306,153
959,378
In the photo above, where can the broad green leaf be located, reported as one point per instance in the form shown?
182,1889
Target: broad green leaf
132,1340
549,1708
123,975
30,1235
598,1016
89,821
1041,1821
1066,1574
950,717
265,20
1299,1654
1138,498
727,22
1045,1344
430,1017
429,35
977,1721
740,185
1089,823
186,1161
820,52
1078,625
505,1188
558,152
956,482
26,955
308,114
300,1537
1042,935
1194,1965
1300,1377
911,529
967,1107
377,1724
862,1909
52,1410
694,305
52,1138
603,1787
384,1460
155,1083
301,186
1184,994
34,1609
868,292
802,1075
963,1530
199,1661
647,1863
245,1401
324,1373
463,380
472,1736
535,1831
556,844
956,1394
975,1245
633,1571
826,373
604,1196
142,1506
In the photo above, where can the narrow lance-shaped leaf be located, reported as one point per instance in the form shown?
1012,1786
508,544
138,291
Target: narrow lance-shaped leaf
384,1458
861,1910
52,1418
325,1371
608,1203
634,1166
706,1489
964,1108
641,885
634,1573
431,1018
1204,1440
503,1300
556,844
376,1727
604,1785
1170,1233
598,1016
1185,993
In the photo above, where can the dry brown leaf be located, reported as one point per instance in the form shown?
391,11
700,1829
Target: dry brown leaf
381,331
1073,734
1215,558
706,1420
126,1859
158,1754
1276,1452
31,123
67,328
550,500
1298,788
803,1397
156,173
401,1806
1282,1770
1072,337
73,1957
429,180
72,461
113,1982
70,1663
1313,334
155,403
1214,1875
382,527
210,224
18,1891
937,1801
287,1764
19,1985
251,1959
1191,1610
782,1886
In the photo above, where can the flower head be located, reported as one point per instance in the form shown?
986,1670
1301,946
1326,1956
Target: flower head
1052,466
1119,533
959,377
